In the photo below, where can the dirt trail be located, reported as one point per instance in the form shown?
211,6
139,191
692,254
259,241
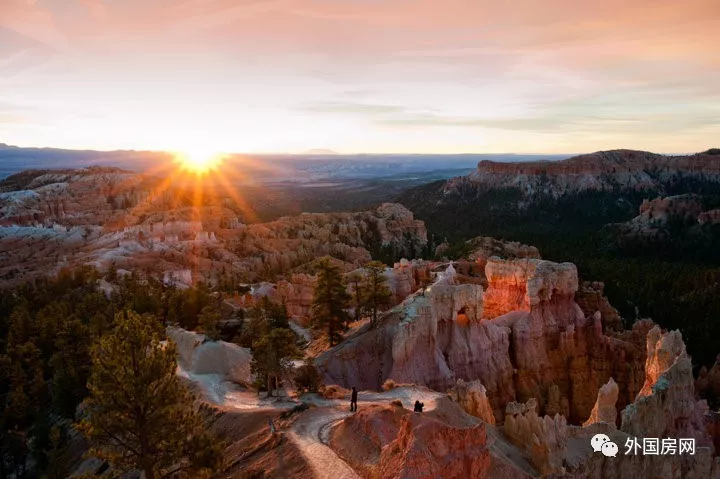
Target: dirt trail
311,431
306,433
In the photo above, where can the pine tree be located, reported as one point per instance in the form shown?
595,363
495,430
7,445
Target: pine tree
331,300
139,415
71,366
375,292
355,280
273,354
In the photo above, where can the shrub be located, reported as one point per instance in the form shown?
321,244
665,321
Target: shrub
389,385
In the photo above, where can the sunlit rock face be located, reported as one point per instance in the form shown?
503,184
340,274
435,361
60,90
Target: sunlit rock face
472,397
518,285
426,447
604,409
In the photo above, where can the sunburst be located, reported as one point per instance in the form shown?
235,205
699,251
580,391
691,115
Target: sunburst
199,161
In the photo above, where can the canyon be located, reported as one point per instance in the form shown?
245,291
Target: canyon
534,371
105,216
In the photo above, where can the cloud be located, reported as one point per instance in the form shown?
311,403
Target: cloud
351,108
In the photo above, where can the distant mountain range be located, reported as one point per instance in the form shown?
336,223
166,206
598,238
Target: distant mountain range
602,170
313,165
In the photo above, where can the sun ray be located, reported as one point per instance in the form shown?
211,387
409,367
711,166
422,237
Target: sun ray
236,197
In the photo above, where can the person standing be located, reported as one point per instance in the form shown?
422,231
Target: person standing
353,400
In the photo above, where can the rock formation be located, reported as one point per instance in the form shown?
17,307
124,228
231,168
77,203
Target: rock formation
591,299
518,285
542,439
666,405
197,356
604,409
426,447
472,397
538,344
297,294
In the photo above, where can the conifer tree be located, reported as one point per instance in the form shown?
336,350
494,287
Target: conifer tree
272,355
331,300
139,415
375,292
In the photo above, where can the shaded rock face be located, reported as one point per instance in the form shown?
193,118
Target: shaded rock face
655,216
542,439
603,170
591,299
710,217
660,210
665,408
707,384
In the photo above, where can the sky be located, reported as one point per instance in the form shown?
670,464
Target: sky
353,76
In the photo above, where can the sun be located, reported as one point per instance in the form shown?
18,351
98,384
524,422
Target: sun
199,161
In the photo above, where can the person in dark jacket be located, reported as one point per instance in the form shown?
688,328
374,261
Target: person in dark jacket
353,399
419,406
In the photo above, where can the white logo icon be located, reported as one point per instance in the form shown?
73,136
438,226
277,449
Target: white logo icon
602,443
597,441
610,449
